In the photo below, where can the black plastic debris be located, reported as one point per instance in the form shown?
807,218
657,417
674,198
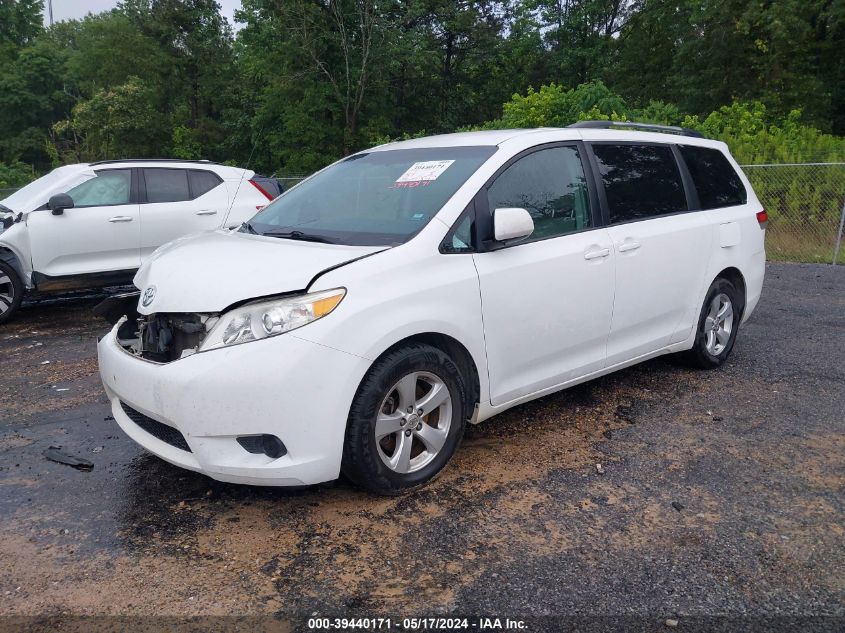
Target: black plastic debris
56,454
677,506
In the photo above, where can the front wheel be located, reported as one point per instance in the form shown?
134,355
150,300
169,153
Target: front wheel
718,325
11,292
406,421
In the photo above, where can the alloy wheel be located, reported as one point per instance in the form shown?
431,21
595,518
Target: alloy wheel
413,422
7,292
718,324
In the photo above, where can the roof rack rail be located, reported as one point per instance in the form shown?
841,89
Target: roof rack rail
648,127
153,160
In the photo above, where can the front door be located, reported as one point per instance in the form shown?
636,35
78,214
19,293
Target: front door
547,301
101,233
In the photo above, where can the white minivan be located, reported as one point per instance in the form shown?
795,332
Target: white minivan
92,224
362,319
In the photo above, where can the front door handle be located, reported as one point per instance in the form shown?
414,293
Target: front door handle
597,253
207,212
121,218
628,245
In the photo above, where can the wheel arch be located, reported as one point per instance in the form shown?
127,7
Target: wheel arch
733,275
458,352
10,257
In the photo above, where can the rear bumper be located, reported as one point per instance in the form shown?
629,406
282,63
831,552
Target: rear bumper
284,386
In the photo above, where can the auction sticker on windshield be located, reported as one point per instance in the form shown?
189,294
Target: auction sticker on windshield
425,170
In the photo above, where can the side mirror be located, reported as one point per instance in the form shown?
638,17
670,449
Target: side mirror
59,202
511,224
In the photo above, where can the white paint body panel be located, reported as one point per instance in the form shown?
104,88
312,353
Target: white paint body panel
547,312
534,318
243,267
83,241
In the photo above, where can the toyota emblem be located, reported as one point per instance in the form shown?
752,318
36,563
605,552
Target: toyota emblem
149,295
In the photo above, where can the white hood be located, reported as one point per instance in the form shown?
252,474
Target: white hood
208,272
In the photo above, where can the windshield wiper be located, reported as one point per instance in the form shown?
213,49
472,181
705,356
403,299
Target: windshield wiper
249,228
299,235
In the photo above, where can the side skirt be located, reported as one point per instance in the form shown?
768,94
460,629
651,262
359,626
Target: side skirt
488,411
46,283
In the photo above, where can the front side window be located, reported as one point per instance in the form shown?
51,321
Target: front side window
550,184
109,187
378,198
717,183
167,185
640,181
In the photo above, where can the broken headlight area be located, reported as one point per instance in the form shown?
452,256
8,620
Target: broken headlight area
163,338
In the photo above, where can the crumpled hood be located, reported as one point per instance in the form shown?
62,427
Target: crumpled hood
208,272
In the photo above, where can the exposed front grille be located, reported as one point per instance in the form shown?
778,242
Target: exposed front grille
164,337
166,434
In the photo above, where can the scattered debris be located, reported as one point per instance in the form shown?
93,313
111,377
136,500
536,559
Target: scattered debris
677,506
671,623
97,449
599,469
56,454
108,418
61,388
46,362
626,411
717,418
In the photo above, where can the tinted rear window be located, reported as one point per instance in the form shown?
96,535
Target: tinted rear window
202,182
717,183
166,185
640,181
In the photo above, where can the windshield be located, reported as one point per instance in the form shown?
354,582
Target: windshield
373,199
36,192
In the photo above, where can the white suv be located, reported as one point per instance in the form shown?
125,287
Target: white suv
92,225
362,319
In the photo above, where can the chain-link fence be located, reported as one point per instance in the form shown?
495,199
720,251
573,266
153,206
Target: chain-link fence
805,203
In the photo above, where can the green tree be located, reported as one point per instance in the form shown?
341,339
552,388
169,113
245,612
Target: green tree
115,122
20,23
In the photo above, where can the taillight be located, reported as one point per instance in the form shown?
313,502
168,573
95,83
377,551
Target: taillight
261,189
763,218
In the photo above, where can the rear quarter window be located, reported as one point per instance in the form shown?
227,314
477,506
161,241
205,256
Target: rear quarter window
715,179
202,182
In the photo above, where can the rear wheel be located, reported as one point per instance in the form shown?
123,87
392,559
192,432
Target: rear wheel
718,324
11,292
406,421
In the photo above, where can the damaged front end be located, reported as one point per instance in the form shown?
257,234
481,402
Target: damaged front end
8,218
161,337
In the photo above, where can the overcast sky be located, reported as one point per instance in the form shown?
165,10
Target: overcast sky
70,9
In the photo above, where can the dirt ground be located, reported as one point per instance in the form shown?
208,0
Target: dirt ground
722,495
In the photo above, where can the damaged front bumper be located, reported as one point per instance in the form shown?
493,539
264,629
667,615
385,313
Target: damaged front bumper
283,386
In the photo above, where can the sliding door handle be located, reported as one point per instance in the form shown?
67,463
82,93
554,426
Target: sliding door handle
597,253
628,245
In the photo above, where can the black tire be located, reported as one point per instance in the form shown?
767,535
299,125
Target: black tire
10,284
699,356
362,461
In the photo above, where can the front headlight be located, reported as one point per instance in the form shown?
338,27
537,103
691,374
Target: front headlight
259,320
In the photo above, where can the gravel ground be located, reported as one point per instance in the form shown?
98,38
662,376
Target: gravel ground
722,496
